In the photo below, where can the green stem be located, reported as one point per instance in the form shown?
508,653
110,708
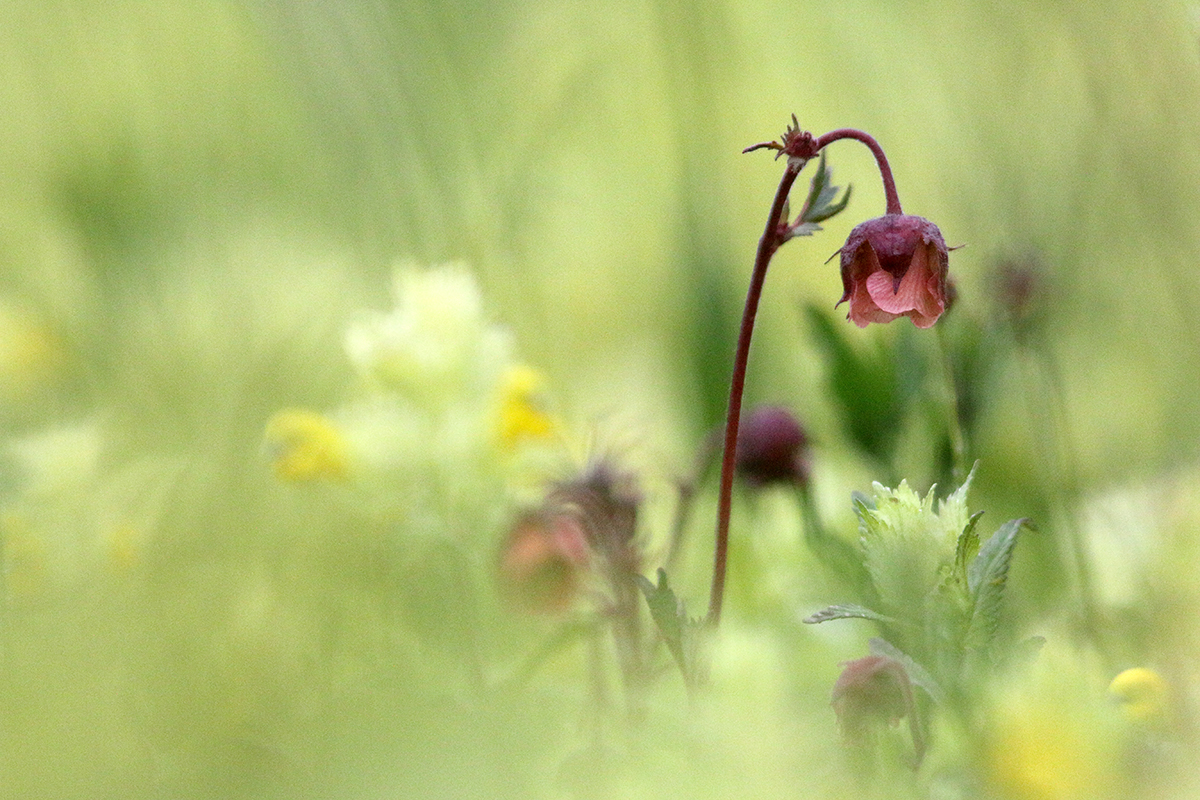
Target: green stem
958,442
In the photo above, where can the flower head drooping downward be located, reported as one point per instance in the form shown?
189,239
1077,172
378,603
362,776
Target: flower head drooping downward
895,266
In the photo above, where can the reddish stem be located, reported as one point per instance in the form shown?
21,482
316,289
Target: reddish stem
885,171
767,246
799,147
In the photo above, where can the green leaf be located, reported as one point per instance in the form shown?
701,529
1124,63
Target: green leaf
682,635
846,611
967,549
822,202
820,205
800,229
986,578
865,385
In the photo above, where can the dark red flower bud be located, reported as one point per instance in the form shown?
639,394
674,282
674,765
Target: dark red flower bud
895,266
772,448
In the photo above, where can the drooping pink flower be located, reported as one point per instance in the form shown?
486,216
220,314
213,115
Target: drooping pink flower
895,266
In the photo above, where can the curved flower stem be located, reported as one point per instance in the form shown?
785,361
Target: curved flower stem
767,246
885,171
799,147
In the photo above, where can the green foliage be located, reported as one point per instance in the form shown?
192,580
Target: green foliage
986,579
939,592
846,611
821,203
871,385
682,635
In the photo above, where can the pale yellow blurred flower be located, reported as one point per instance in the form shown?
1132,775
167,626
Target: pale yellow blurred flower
523,414
436,346
31,354
306,446
1143,694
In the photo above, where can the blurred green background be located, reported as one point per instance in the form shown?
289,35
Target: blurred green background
196,196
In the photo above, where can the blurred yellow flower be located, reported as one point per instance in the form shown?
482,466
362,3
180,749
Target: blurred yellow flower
1049,755
30,352
523,415
1142,693
306,446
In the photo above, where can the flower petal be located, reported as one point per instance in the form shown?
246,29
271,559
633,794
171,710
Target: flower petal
916,295
863,308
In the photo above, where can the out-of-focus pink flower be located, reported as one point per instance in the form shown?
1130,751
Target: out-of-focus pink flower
873,691
895,266
543,560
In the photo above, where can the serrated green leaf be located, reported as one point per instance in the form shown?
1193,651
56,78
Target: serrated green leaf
986,578
862,502
827,206
846,611
967,548
666,610
681,635
800,229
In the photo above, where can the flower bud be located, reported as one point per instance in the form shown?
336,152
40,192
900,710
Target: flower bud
872,692
895,266
543,560
772,448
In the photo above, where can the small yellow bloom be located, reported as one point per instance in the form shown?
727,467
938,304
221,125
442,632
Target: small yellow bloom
1046,754
1143,694
523,414
306,446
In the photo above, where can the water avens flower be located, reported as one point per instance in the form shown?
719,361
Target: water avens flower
892,266
873,690
543,561
895,266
